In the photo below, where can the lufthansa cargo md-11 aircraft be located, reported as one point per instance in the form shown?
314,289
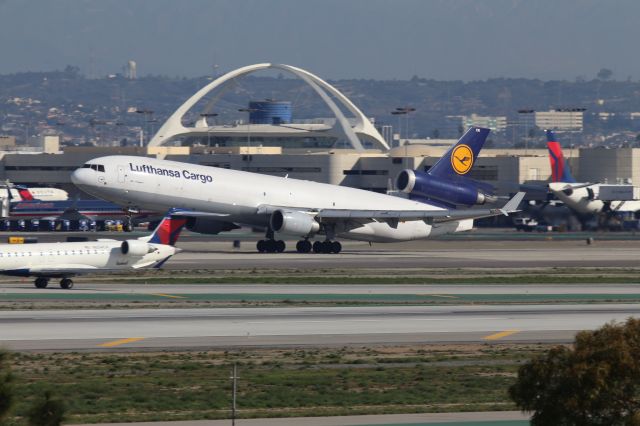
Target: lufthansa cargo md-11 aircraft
218,199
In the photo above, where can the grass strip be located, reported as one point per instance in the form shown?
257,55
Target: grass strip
123,387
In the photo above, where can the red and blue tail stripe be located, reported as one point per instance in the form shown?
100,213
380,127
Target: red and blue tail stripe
168,230
559,169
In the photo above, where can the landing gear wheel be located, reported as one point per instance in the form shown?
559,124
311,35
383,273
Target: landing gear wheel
317,247
336,247
261,246
41,282
303,246
66,283
270,246
326,247
280,246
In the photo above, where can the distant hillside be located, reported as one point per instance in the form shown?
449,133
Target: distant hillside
78,100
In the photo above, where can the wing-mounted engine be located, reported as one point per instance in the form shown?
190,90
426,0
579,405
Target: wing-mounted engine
136,248
460,190
293,222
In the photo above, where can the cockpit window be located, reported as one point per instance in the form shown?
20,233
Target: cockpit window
96,167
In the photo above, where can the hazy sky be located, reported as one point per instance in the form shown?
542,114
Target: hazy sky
379,39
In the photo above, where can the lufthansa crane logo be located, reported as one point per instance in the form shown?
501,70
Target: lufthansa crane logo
462,159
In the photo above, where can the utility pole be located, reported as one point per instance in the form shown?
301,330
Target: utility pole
234,379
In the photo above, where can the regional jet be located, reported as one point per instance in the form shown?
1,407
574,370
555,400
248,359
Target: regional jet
219,199
586,198
64,260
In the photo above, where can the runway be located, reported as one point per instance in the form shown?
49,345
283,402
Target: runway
417,254
268,327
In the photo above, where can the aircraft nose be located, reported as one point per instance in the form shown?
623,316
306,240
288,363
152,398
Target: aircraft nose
80,176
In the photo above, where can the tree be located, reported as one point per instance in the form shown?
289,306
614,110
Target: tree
6,385
47,411
605,74
596,382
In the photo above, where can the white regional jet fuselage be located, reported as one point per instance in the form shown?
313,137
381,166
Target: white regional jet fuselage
580,198
64,260
238,196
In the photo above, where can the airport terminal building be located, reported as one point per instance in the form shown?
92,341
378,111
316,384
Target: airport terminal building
343,150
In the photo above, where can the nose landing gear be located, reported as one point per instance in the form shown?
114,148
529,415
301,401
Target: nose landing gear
41,282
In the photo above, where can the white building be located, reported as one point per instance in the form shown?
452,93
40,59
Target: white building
559,120
495,123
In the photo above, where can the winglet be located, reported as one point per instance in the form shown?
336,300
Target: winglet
512,204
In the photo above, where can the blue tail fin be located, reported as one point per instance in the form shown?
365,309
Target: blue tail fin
168,230
459,160
559,168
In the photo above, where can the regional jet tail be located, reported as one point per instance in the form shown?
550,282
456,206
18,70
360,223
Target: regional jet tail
447,182
64,260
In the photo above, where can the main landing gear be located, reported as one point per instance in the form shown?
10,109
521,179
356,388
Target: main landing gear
271,246
302,246
327,247
42,282
66,283
305,246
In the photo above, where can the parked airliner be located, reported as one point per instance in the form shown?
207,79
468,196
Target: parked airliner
221,198
581,197
64,260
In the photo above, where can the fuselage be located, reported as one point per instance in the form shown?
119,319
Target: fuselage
581,199
92,209
138,182
75,257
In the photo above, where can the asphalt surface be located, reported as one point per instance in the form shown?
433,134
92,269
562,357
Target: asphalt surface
166,290
269,327
493,418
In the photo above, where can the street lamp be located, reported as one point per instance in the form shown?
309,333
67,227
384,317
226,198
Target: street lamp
400,111
145,113
249,110
206,115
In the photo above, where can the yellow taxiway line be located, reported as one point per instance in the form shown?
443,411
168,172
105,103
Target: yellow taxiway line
500,335
120,342
171,296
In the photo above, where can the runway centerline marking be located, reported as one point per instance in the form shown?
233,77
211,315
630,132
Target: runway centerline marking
119,342
171,296
448,296
500,335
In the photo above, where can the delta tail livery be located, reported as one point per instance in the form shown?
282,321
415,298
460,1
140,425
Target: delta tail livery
64,260
580,197
220,199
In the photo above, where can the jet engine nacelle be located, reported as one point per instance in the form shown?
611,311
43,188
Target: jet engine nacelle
203,225
293,223
447,190
135,248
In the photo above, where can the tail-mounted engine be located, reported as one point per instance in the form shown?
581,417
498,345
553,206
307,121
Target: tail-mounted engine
463,191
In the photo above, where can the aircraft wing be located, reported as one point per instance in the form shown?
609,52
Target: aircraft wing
194,213
429,216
